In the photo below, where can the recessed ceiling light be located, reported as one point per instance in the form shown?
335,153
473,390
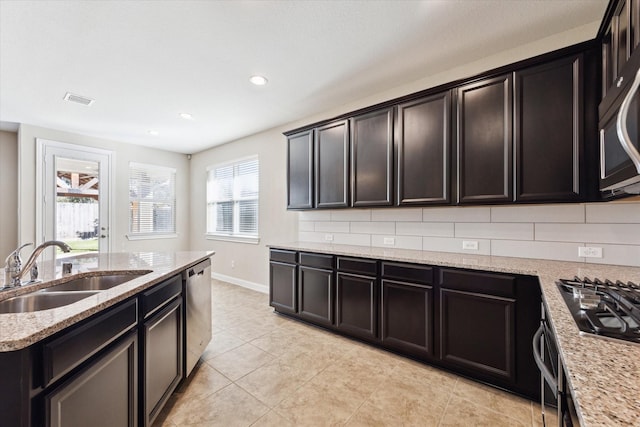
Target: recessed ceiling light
154,132
79,99
186,116
258,80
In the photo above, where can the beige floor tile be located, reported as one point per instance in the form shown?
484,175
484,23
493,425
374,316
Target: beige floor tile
221,342
273,419
249,330
464,413
515,407
237,363
319,405
359,377
370,416
230,406
203,381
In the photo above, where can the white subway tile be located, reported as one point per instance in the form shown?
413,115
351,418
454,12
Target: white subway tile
352,239
398,214
306,226
444,244
533,213
351,215
457,214
373,227
614,213
559,251
626,234
436,229
315,215
332,226
507,231
617,255
400,242
309,236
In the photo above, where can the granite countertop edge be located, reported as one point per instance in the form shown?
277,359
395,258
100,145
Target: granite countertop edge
603,375
20,330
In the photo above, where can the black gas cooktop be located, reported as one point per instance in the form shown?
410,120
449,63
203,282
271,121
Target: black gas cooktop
604,308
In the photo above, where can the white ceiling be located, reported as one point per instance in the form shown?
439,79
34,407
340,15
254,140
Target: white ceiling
144,62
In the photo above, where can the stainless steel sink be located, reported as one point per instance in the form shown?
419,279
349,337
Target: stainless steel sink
41,301
95,283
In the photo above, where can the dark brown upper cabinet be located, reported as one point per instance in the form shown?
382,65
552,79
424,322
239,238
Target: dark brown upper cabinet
620,39
372,159
424,141
548,131
332,165
300,170
484,136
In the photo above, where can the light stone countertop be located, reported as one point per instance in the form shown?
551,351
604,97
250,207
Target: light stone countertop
603,375
20,330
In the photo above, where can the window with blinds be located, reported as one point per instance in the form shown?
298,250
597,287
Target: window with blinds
152,200
232,199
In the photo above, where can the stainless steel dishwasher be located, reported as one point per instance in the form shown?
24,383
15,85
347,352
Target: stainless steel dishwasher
197,281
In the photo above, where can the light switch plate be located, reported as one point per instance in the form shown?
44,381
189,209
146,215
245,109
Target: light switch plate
471,245
389,241
589,251
328,237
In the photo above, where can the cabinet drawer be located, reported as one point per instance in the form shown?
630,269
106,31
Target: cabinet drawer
358,266
316,260
407,272
282,256
154,298
67,351
486,283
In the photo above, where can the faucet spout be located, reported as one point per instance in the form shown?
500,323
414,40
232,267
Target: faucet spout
15,271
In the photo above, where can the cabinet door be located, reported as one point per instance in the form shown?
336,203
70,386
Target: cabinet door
163,347
315,295
300,170
332,165
372,159
548,136
423,150
283,287
484,134
356,305
103,394
477,332
407,317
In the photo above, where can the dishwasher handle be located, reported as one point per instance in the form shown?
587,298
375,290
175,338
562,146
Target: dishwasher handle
544,370
198,269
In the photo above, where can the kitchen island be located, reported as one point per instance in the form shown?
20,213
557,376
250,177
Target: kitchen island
603,375
128,339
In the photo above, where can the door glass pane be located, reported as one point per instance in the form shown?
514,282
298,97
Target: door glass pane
77,204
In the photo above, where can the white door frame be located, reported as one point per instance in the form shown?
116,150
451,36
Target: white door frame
46,152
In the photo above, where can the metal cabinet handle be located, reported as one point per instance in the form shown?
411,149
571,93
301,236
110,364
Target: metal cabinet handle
621,128
548,376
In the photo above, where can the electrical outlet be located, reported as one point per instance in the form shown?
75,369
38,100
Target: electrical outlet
389,241
328,237
589,252
233,264
471,245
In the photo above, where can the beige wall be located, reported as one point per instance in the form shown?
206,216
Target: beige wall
9,197
124,153
278,225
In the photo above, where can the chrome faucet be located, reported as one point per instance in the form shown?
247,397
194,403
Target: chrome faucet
14,271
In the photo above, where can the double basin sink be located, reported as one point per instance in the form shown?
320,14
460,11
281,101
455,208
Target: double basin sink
66,293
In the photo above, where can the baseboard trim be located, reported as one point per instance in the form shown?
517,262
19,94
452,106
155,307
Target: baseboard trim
241,282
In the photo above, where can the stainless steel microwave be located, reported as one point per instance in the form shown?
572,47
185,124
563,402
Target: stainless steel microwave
619,127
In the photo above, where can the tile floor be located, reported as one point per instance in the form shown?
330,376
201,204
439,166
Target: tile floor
263,369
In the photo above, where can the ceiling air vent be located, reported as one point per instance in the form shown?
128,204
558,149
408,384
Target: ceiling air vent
79,99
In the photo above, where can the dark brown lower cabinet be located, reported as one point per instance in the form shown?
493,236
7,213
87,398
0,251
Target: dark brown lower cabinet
407,318
477,332
316,295
103,394
283,281
356,305
163,344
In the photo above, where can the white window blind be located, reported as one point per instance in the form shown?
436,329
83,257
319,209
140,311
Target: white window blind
232,199
152,200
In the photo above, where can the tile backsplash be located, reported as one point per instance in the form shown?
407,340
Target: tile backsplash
526,231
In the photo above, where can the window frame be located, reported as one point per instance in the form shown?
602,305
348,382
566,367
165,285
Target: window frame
133,235
235,235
